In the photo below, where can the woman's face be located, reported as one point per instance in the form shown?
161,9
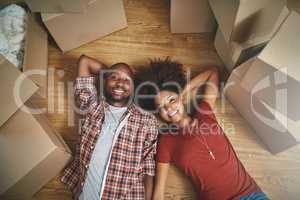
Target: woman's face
170,106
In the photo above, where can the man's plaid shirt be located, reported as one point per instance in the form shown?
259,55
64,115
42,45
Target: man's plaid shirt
132,155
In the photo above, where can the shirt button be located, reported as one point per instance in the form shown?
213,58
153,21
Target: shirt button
86,166
82,184
92,147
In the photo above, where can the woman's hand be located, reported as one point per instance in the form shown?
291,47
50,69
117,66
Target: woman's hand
210,79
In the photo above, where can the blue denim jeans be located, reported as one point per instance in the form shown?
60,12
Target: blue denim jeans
255,196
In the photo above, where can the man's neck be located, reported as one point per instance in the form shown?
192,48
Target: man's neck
117,104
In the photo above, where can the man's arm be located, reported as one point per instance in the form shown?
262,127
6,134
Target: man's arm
88,66
85,91
149,153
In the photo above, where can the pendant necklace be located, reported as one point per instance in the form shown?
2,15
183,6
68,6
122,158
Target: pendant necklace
204,142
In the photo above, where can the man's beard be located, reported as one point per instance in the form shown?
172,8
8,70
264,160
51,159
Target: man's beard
110,99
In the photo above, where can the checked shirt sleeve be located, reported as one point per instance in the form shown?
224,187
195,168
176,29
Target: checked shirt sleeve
71,174
150,146
85,93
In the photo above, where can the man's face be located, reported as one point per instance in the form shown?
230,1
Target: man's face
118,86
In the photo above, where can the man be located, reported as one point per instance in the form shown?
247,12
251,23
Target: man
115,154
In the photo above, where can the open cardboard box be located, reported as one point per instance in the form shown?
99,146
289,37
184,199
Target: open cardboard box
31,154
56,6
265,88
192,16
35,53
71,30
248,20
35,58
233,54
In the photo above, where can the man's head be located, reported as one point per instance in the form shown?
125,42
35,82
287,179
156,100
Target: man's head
119,86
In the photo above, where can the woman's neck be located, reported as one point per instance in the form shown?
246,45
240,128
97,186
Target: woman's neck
184,122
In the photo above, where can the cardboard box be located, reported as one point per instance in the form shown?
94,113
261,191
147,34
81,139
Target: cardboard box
8,76
35,58
191,16
73,30
36,52
277,134
248,20
274,76
56,6
233,54
31,154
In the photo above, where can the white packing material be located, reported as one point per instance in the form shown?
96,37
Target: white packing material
13,20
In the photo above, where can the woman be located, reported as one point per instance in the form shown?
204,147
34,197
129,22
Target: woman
199,147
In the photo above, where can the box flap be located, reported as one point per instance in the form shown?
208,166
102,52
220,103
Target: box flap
25,133
52,133
225,13
256,18
101,18
233,53
282,52
246,20
56,6
36,53
8,77
224,50
49,16
39,176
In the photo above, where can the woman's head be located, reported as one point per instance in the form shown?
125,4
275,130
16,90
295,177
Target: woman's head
166,80
169,106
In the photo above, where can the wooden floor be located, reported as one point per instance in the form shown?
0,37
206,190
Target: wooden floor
148,36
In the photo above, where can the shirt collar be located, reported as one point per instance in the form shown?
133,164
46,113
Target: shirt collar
132,109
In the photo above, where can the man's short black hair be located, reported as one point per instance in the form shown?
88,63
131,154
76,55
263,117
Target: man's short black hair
126,66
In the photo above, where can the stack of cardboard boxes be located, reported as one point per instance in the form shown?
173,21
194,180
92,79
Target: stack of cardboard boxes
265,88
259,39
31,151
245,27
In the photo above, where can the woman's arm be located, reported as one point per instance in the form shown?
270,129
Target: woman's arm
211,90
148,182
208,77
160,180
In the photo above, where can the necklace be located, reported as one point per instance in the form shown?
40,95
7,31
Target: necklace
204,142
207,147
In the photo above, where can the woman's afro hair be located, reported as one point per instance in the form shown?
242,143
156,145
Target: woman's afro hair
163,74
